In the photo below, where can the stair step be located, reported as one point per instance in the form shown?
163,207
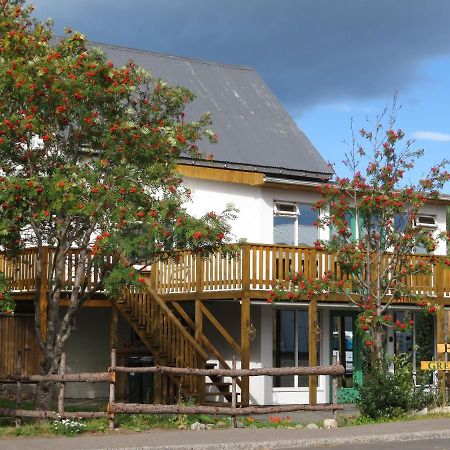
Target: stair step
218,383
222,394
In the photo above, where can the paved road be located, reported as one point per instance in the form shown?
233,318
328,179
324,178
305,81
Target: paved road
431,434
428,444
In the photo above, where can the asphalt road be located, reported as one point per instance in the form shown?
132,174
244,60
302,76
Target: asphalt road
427,444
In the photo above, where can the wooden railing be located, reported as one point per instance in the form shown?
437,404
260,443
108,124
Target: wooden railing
22,270
149,312
255,267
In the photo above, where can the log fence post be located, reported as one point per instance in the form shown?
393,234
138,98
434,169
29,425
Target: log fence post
19,370
62,386
334,390
233,392
112,390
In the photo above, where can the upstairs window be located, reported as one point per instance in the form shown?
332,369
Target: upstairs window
426,221
294,224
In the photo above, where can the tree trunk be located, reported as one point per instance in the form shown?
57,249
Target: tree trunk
44,391
378,353
44,396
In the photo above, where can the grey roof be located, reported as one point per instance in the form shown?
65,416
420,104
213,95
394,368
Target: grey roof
255,132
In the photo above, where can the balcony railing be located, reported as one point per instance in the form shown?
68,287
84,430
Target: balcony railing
254,268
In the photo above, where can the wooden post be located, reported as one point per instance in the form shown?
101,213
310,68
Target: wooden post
245,269
19,370
61,371
154,276
199,273
198,338
233,392
245,349
114,327
312,348
440,323
43,300
334,390
112,388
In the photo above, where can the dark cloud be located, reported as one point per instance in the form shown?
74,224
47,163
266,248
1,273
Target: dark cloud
308,51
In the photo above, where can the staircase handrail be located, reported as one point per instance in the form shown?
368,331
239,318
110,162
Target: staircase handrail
175,321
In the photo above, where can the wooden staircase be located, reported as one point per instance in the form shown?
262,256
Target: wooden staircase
169,334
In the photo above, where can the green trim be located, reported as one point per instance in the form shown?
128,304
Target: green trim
348,395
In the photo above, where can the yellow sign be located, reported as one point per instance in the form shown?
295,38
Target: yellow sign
443,348
435,365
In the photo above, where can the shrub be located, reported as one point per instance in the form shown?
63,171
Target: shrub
389,394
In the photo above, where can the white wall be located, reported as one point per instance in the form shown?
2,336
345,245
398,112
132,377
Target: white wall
215,195
440,212
255,205
88,350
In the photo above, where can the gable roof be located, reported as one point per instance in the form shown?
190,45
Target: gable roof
255,132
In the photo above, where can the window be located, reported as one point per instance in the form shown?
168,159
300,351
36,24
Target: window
426,221
420,341
350,218
294,224
291,346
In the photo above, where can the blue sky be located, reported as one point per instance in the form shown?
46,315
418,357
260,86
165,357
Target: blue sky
326,60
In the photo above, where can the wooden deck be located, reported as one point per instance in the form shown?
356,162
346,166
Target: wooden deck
250,274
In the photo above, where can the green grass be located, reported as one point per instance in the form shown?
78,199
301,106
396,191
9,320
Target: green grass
362,420
144,422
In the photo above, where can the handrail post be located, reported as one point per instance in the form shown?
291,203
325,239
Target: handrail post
154,276
199,273
246,268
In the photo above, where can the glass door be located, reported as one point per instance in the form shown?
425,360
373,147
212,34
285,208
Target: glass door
346,348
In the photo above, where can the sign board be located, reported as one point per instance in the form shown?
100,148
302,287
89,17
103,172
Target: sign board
434,365
443,348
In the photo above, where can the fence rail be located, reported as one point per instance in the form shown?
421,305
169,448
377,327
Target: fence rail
114,407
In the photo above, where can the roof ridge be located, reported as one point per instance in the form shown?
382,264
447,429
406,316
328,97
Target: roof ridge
169,56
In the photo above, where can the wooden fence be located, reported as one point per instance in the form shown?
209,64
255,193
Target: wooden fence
114,407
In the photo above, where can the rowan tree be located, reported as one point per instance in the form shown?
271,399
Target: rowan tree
88,153
374,257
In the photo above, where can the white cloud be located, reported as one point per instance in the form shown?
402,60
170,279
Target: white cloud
432,136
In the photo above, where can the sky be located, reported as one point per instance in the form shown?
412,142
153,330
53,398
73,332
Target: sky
328,61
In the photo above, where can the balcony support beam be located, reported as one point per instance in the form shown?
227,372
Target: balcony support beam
245,349
198,337
312,348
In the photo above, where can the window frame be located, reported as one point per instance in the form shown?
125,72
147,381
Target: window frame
294,214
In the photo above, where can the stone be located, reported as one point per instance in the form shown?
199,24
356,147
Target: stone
312,426
330,423
221,424
199,426
299,426
422,412
438,410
